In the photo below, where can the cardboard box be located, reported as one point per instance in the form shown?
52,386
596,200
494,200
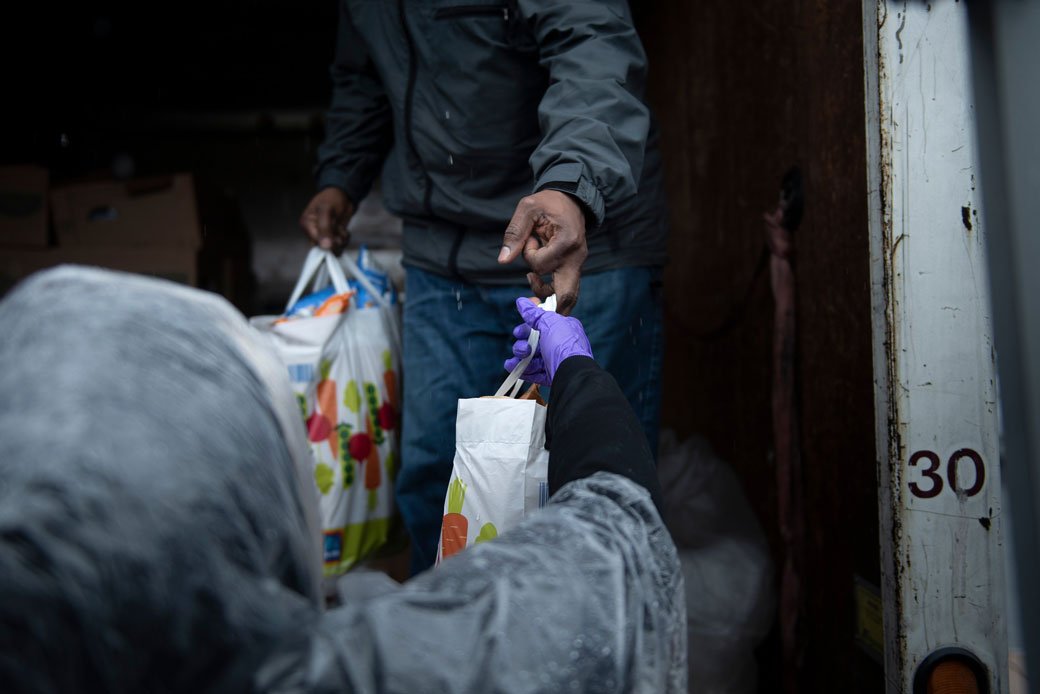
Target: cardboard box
176,264
23,205
152,212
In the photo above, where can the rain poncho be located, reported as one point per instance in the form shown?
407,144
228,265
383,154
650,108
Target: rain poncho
154,532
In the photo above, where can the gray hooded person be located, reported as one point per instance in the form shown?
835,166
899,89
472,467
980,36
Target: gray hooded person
157,532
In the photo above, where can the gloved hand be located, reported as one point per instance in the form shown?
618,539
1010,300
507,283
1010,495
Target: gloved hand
561,337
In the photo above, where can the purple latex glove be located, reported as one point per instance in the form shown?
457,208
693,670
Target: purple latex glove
561,337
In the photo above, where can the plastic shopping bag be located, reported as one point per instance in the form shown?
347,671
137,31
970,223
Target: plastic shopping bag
726,565
500,472
343,362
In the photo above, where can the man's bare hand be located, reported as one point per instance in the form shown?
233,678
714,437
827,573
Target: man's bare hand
325,219
556,246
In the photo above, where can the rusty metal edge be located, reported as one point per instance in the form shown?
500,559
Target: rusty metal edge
888,440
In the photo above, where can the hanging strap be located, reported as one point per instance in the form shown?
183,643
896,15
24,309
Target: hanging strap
512,385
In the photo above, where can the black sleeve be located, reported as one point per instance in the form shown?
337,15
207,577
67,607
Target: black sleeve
359,126
590,427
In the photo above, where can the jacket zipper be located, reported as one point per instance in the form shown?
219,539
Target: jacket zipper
412,69
471,11
453,254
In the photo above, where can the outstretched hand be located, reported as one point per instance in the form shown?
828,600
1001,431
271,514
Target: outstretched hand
560,337
549,229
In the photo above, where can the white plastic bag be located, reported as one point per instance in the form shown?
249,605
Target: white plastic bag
344,369
726,565
501,467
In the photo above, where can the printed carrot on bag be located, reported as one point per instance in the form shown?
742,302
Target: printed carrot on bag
326,391
455,527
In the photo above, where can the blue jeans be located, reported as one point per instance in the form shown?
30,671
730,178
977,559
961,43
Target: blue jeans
456,338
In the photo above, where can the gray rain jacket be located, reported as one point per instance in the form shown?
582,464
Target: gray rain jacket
469,106
155,533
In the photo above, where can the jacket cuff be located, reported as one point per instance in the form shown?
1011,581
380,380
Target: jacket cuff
563,176
573,366
354,188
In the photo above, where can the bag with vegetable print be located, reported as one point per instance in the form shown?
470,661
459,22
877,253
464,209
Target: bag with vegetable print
500,473
341,346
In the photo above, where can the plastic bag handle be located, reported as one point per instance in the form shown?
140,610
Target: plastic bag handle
315,259
318,258
512,385
362,279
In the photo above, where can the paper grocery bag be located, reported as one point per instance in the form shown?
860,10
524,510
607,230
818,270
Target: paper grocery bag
500,470
501,467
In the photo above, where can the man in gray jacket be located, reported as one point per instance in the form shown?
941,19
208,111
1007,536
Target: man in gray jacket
523,115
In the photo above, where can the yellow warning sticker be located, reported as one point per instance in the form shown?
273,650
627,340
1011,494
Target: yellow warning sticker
870,632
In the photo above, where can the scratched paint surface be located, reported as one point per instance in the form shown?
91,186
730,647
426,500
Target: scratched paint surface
946,568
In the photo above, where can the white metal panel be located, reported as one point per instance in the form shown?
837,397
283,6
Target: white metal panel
942,563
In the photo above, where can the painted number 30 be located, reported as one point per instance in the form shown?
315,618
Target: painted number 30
931,461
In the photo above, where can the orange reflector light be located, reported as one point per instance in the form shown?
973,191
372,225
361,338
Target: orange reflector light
951,670
952,676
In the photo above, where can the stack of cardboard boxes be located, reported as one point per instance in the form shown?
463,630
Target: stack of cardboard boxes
148,226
